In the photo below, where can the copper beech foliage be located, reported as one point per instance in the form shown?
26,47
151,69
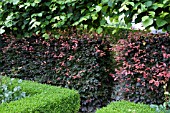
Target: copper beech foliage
145,67
79,61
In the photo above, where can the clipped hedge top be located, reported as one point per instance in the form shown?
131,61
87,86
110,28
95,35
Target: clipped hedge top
126,107
44,98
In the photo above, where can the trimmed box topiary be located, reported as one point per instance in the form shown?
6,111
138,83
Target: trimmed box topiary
126,107
43,99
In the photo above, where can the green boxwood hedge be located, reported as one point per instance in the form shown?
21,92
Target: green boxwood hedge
43,99
126,107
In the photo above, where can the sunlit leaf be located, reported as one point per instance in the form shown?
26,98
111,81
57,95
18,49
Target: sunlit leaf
148,3
99,30
2,30
160,22
46,36
98,8
147,21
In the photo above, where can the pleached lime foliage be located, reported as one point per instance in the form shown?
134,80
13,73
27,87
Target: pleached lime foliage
23,18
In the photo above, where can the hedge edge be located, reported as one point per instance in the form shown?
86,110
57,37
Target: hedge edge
44,98
126,107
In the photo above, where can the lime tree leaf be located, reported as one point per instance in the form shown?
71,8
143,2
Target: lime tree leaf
39,14
15,2
145,18
152,13
8,23
114,31
33,4
85,26
62,17
136,6
168,28
35,24
2,30
104,9
75,23
148,3
57,18
82,11
165,1
94,16
110,3
102,22
98,8
143,8
37,1
99,30
57,36
130,3
129,25
147,21
156,5
124,7
37,32
84,18
105,1
160,22
163,14
46,36
48,17
15,28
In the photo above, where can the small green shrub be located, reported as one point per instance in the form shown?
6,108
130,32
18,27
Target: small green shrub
43,99
8,93
126,107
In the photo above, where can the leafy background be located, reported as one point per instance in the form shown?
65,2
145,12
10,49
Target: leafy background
81,58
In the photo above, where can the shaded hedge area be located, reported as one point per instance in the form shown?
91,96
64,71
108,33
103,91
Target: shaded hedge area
80,61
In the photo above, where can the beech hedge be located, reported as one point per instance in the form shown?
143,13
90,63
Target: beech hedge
80,61
144,68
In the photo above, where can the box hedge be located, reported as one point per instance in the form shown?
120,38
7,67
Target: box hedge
43,99
126,107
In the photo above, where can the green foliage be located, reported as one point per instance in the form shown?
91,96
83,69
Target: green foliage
23,18
44,98
80,61
150,13
126,107
8,93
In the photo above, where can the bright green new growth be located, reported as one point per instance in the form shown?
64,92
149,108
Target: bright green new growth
44,98
126,107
